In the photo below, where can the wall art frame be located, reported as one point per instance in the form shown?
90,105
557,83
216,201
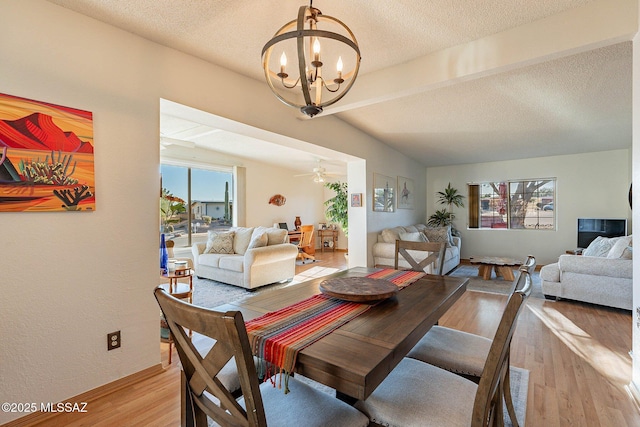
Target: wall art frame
384,193
356,200
406,193
46,157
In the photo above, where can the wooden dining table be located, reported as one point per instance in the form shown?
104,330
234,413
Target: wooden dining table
355,358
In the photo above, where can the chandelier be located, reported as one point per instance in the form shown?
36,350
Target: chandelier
322,48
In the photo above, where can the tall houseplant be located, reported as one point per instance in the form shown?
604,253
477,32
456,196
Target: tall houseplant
337,206
443,217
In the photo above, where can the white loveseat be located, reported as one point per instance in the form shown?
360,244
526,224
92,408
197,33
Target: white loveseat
384,249
602,275
246,256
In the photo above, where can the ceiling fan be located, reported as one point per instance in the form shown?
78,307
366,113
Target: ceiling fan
319,173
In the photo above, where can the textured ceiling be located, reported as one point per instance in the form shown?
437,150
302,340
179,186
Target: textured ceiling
502,79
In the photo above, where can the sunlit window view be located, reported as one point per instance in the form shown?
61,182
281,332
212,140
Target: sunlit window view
526,204
194,201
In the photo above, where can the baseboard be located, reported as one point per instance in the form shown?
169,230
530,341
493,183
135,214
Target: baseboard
633,391
37,418
467,262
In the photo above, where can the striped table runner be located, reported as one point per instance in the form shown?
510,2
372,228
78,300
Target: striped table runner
277,337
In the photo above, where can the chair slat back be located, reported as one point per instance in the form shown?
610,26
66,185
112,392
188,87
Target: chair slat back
306,235
488,401
229,332
435,257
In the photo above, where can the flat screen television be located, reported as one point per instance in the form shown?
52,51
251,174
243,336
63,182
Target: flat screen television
590,228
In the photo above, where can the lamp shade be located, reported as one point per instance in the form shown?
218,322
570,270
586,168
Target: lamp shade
312,61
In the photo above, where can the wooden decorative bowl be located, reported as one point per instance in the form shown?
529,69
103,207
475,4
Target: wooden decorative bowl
358,289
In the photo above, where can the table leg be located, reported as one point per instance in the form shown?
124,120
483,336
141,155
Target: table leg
506,272
484,271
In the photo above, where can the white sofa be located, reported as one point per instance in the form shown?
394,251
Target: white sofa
255,257
384,249
601,276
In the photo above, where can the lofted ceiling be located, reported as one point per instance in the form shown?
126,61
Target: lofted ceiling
443,81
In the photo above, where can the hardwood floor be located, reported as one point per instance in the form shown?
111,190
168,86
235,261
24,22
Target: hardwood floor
577,355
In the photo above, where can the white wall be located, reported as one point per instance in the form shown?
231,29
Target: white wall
635,352
304,198
70,278
593,185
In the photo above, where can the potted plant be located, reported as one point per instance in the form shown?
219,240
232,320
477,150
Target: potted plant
451,198
337,206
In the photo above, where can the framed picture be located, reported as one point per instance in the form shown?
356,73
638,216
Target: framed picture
46,157
356,200
383,193
406,193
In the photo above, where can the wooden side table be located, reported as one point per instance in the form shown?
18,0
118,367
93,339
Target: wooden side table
328,239
501,265
180,290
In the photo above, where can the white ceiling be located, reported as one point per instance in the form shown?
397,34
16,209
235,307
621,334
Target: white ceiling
444,81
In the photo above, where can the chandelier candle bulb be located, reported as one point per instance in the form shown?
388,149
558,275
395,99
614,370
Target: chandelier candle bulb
316,54
283,64
339,80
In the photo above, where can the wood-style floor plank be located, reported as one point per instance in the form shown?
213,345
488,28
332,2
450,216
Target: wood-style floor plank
577,355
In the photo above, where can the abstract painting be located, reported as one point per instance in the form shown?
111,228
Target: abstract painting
46,157
405,193
383,193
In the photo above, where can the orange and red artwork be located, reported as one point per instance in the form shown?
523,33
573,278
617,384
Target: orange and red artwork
46,157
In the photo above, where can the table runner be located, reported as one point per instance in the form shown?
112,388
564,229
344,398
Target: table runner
277,337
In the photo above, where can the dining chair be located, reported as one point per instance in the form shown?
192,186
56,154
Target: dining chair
529,264
305,242
435,257
464,353
416,393
206,395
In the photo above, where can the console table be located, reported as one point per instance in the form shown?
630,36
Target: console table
328,239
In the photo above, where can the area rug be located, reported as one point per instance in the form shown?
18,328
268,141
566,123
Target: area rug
497,285
209,293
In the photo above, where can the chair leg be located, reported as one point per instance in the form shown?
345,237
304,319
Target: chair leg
508,400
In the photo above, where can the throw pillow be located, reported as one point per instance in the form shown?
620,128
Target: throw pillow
242,239
275,236
439,234
220,242
390,235
619,247
628,253
600,247
415,236
420,227
258,239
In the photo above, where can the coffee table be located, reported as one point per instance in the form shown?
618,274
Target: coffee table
502,266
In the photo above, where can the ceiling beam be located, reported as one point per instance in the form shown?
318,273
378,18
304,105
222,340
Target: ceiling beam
596,24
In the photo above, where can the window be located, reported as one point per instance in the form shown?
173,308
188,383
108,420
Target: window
525,204
194,201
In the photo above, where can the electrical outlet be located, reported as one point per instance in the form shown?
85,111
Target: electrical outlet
113,340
